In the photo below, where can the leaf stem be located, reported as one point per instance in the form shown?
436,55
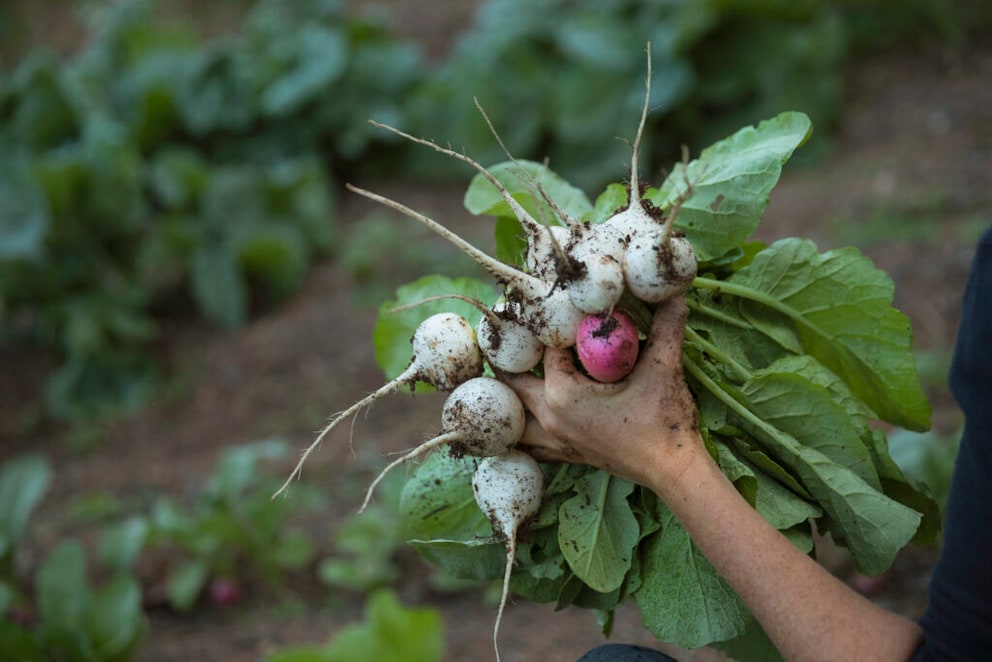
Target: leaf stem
697,307
742,371
754,295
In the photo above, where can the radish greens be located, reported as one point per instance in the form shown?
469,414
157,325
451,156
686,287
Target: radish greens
793,356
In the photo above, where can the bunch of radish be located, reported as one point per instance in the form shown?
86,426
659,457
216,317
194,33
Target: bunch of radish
577,279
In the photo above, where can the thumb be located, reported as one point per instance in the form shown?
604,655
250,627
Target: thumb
667,330
529,388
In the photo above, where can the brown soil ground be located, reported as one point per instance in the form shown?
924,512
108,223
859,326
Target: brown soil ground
907,179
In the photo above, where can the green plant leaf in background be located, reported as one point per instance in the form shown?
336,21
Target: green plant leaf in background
390,631
23,482
23,212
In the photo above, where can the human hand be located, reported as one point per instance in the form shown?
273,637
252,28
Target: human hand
642,428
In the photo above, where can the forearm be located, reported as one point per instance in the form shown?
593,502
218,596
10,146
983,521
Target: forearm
807,612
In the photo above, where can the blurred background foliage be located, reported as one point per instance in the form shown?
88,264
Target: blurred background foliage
171,168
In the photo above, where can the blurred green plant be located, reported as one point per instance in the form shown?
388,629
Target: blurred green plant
156,173
390,632
73,620
234,529
58,614
23,483
927,458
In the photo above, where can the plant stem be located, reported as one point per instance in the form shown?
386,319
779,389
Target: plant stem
742,371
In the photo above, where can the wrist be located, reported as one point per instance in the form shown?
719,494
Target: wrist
677,462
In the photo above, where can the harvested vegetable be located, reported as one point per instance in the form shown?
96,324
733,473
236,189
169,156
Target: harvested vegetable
795,359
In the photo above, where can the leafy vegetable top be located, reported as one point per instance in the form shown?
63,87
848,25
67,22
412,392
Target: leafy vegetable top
792,355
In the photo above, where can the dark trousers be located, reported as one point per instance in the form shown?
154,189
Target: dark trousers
625,653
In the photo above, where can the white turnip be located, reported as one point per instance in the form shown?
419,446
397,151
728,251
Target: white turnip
445,354
508,488
481,417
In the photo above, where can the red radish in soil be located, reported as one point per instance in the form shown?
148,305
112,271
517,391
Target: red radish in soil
225,592
508,489
445,354
481,417
607,346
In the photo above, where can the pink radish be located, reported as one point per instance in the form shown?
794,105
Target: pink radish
607,346
445,354
508,489
481,417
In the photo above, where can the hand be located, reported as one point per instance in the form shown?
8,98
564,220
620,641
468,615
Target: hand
643,428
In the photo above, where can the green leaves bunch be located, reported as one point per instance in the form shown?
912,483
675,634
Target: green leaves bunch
794,357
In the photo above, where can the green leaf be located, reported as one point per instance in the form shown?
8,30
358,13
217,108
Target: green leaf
23,482
779,506
393,330
390,632
24,213
480,560
597,531
483,198
115,621
682,599
321,57
237,468
840,306
292,549
186,582
218,285
63,596
807,412
437,500
511,242
121,544
731,182
872,525
177,177
273,255
608,203
918,496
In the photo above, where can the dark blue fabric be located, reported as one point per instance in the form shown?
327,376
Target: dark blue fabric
625,653
958,622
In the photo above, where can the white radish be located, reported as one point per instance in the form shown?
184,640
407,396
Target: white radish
657,270
547,311
597,280
508,489
445,354
481,417
657,264
506,342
